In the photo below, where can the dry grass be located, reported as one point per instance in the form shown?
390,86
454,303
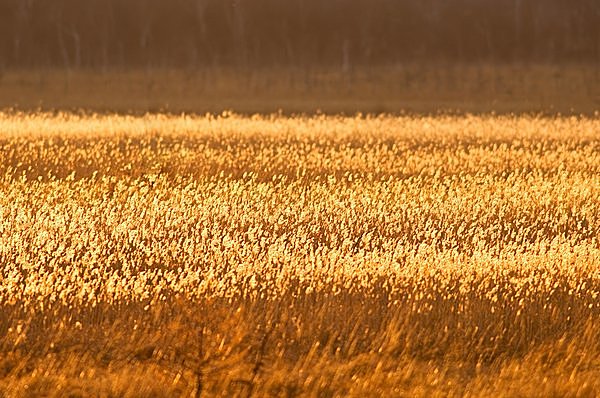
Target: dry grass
423,88
325,256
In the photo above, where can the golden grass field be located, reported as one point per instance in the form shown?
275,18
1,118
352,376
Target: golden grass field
324,256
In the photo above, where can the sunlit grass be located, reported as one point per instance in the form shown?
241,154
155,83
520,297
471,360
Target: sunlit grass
322,256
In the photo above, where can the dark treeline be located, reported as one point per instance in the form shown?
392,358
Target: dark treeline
250,33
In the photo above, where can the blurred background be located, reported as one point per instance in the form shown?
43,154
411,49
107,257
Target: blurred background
301,55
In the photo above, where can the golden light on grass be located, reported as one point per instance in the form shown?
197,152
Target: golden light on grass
313,256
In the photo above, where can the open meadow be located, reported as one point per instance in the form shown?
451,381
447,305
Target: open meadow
326,256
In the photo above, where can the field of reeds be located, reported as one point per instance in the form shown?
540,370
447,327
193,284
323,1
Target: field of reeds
177,255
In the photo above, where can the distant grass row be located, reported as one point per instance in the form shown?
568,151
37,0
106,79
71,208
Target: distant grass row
422,88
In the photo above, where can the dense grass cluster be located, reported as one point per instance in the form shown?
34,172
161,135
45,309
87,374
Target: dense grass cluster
321,256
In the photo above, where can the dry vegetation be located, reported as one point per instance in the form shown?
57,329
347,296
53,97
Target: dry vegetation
323,256
417,87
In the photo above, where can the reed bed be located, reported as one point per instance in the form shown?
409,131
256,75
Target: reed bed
179,255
